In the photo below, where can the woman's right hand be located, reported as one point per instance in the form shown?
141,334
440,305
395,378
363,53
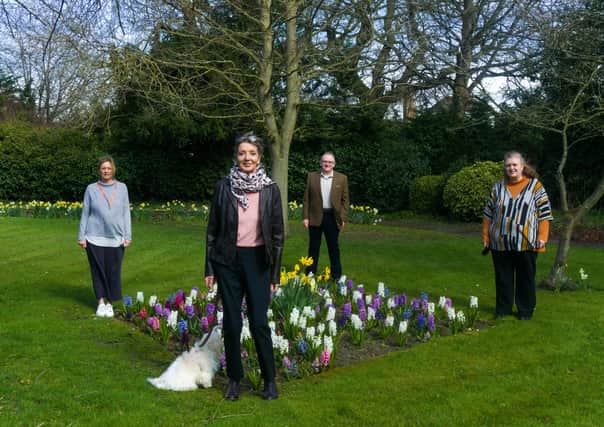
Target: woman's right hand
82,243
210,281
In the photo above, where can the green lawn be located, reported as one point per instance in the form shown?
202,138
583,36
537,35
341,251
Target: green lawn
60,365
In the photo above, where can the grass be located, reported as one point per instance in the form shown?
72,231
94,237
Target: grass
60,365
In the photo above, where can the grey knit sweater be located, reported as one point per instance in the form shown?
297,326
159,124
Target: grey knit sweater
99,219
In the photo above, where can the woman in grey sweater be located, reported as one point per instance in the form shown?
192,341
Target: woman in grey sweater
105,231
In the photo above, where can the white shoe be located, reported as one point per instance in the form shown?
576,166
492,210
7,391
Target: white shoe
101,310
108,310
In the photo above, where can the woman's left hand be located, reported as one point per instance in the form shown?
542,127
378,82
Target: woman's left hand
540,244
274,287
126,243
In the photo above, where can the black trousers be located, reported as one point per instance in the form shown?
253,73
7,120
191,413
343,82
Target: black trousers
515,268
106,269
249,276
329,227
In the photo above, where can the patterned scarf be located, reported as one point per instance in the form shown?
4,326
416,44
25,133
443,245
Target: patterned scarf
242,183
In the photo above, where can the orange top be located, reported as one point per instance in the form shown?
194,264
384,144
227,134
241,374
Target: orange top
515,188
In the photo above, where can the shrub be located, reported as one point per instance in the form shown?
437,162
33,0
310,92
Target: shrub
467,191
425,194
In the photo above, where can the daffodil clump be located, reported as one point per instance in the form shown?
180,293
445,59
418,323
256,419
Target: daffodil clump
41,209
357,214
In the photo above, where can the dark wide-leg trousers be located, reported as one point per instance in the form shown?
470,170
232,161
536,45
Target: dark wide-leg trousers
517,268
329,227
106,269
249,275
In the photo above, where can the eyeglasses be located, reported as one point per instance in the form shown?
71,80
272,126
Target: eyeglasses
327,161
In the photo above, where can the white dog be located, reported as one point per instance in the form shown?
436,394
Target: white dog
194,367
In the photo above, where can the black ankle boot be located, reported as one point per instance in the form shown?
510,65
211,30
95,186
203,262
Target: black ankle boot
232,392
270,390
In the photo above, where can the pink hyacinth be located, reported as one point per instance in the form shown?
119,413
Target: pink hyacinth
153,322
325,358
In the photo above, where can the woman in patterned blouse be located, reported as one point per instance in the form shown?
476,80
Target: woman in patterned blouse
515,229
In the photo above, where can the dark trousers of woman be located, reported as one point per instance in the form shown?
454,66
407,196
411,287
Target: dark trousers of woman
106,269
518,267
249,275
329,227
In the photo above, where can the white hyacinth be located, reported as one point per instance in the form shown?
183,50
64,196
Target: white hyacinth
140,297
370,313
390,303
431,308
356,321
328,343
343,290
326,295
583,274
302,322
451,313
461,317
280,343
269,313
317,341
310,332
212,292
331,313
294,315
368,299
188,300
473,302
272,325
193,294
402,327
245,330
342,279
219,316
173,319
381,289
389,322
321,328
152,300
328,301
442,301
356,295
333,328
308,312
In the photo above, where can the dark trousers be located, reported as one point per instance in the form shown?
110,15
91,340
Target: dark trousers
329,227
106,269
518,267
249,275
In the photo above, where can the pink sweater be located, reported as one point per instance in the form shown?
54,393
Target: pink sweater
249,233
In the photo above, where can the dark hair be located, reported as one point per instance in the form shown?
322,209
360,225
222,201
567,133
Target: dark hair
104,159
250,138
527,170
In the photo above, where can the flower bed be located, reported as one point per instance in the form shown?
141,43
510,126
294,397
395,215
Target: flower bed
311,319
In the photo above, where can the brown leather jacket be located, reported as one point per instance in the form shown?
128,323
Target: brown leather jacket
313,201
221,241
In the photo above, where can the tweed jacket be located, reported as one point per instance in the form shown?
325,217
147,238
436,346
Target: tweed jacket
313,200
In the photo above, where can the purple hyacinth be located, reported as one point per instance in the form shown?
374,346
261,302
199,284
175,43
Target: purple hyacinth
403,299
407,314
128,301
415,304
168,303
287,364
223,360
204,323
210,309
431,322
377,302
362,314
166,313
424,305
159,310
349,284
182,326
190,310
361,289
423,296
347,309
360,303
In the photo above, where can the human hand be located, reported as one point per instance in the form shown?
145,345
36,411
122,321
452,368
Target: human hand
82,243
306,222
210,281
274,287
540,244
126,243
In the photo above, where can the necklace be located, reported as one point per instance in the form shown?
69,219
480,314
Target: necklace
113,193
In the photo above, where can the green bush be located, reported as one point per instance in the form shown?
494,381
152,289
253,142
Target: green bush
467,191
45,163
425,194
